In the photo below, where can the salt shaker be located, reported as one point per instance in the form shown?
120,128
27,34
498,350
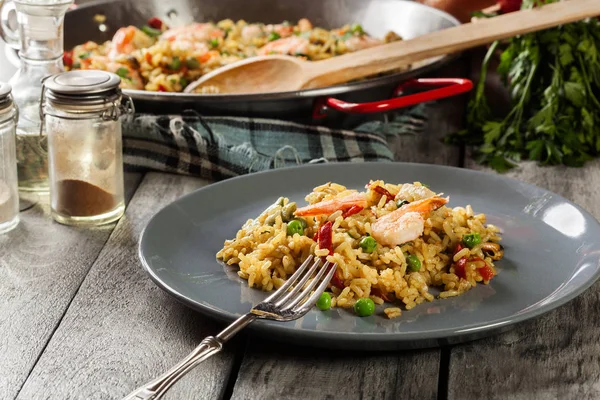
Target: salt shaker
81,113
9,196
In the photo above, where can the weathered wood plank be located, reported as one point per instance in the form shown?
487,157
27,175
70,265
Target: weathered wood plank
555,356
274,371
42,264
121,329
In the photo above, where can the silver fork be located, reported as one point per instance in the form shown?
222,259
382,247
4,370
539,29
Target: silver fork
283,305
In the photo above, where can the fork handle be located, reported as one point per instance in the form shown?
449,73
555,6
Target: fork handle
156,388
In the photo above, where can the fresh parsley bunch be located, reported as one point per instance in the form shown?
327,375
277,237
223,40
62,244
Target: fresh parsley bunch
554,82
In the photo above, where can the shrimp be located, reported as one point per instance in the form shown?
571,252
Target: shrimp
251,31
292,45
414,192
127,40
304,25
333,205
195,32
356,43
406,223
282,30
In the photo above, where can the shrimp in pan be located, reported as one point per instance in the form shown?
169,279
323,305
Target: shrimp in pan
406,223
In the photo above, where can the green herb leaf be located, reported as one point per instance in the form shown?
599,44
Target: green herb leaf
123,72
151,31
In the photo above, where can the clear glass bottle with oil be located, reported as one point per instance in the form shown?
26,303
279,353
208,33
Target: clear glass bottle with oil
39,39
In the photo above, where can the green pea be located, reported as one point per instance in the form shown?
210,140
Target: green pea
85,56
471,240
273,36
414,264
303,222
400,203
183,82
293,227
175,64
364,307
214,42
368,244
324,302
357,28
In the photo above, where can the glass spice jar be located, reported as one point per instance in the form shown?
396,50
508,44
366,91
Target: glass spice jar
82,111
9,195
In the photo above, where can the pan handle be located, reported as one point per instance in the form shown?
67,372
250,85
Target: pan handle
444,87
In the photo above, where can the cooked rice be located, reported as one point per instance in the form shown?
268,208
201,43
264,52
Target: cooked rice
266,256
167,60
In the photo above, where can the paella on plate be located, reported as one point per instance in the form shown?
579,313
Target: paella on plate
156,57
392,243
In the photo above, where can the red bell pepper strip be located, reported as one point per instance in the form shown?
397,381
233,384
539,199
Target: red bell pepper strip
384,192
325,238
460,268
486,272
161,88
68,58
352,210
155,23
337,281
459,247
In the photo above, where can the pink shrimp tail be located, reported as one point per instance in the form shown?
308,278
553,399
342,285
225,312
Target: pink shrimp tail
333,205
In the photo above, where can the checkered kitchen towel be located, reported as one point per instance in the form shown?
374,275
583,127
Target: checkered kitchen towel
222,147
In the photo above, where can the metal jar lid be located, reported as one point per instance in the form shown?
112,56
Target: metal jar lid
82,87
5,97
85,91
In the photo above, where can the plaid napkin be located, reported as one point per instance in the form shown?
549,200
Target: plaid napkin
222,147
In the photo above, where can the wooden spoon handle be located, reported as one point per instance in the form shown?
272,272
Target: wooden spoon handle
396,55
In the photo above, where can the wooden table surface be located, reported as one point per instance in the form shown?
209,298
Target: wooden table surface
79,319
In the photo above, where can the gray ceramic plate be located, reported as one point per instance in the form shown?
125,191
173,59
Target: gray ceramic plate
552,255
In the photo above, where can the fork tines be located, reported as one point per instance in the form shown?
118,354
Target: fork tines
295,297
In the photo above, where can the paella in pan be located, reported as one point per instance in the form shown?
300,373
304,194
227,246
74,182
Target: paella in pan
159,58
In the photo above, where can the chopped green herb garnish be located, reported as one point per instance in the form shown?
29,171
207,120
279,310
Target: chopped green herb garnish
357,28
123,72
85,56
151,31
273,36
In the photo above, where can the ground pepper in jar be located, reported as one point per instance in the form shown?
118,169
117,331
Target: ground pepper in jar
82,199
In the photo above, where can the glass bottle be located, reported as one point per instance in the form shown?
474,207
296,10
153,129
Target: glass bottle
39,40
9,197
82,113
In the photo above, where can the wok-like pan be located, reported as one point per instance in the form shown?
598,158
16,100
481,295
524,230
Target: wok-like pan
406,18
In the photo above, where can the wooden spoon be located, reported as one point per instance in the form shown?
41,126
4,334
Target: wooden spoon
272,73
